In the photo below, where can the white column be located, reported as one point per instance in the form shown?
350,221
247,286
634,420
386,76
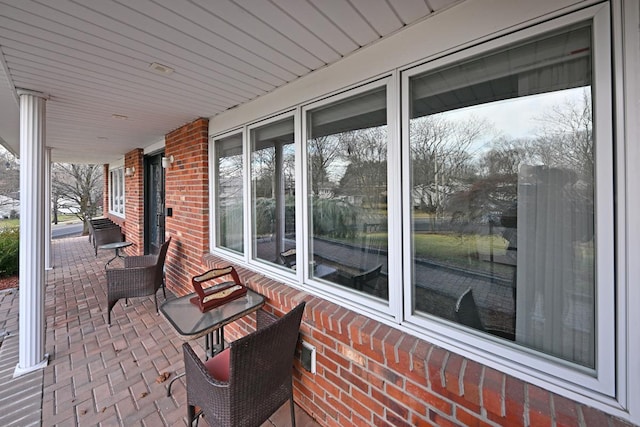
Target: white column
32,237
47,208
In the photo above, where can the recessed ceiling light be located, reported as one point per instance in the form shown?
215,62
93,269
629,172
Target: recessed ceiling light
161,69
119,117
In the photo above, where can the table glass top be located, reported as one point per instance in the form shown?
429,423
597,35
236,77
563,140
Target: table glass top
115,245
191,323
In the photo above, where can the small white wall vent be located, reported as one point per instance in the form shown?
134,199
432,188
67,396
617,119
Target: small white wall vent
308,357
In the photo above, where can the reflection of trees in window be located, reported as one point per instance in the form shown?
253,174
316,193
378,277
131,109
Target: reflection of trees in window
365,177
566,137
229,180
263,163
484,186
442,153
323,152
229,192
347,171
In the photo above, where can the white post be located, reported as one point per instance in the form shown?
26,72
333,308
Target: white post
32,232
47,208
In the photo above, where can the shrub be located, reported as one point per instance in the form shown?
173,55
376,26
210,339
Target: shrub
335,218
9,251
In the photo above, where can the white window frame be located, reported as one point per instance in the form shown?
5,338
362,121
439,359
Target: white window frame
391,309
607,387
117,190
249,242
498,353
213,237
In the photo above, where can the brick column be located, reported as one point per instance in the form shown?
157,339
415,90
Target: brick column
187,193
133,226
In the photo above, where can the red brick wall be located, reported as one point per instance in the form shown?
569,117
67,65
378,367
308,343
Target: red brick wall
133,224
187,193
134,202
367,372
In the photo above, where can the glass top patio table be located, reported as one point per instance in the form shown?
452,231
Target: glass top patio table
190,323
117,246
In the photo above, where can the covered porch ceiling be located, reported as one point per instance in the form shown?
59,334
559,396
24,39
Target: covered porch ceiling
121,74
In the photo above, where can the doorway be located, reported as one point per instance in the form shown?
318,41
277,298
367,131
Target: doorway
154,214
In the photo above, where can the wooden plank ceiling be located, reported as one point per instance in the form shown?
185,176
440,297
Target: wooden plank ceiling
93,58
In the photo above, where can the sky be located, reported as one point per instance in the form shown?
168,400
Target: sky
516,117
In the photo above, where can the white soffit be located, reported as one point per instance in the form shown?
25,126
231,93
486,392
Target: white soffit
94,58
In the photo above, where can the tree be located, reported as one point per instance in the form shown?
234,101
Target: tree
323,151
441,156
365,153
566,137
9,179
78,189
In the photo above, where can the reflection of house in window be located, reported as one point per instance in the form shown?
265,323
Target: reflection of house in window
9,207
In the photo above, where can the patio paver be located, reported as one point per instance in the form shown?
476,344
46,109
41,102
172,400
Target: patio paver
100,375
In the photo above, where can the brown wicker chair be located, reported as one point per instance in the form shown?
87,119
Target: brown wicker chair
467,314
247,382
359,280
106,234
141,276
288,258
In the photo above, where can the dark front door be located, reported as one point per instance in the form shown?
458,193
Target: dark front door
154,204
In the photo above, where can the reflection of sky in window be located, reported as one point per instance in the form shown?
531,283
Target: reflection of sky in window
516,117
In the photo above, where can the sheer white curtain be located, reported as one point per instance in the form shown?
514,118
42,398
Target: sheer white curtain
555,275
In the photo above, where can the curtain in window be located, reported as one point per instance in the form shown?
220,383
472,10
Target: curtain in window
555,296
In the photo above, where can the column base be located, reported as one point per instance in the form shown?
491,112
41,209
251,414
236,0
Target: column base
23,371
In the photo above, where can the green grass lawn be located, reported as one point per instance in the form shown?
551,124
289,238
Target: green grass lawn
8,223
468,251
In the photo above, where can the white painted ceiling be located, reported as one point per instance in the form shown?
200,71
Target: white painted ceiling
92,58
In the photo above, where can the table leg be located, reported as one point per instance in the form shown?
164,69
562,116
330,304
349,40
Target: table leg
117,255
109,262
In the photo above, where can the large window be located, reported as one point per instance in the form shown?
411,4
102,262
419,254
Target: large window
116,193
273,192
346,143
229,190
502,164
506,222
468,199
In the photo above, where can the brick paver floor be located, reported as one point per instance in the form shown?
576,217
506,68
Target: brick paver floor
109,376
